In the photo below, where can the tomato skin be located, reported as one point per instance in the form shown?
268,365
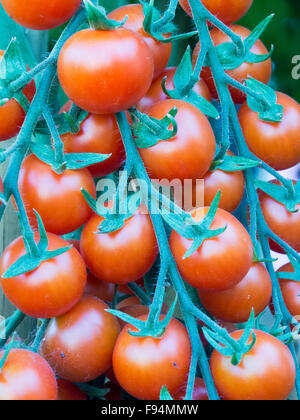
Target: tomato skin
51,289
123,256
69,392
144,365
259,71
55,196
90,56
156,94
161,51
41,14
221,262
79,344
290,290
235,305
267,372
102,290
26,376
228,11
194,145
199,393
275,143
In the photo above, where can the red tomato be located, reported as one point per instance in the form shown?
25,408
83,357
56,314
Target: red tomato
69,392
41,14
132,300
156,94
135,19
144,365
123,288
283,223
101,289
228,11
123,256
275,143
267,372
199,392
79,344
26,376
105,72
12,114
259,71
221,262
235,304
51,289
290,291
190,153
56,197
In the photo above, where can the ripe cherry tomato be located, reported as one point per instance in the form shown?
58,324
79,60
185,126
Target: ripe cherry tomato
275,143
69,392
101,289
12,114
260,71
51,289
228,11
235,304
144,365
26,376
267,372
283,223
41,14
290,291
56,197
123,256
135,19
221,262
79,344
156,94
105,72
190,153
132,300
136,310
199,393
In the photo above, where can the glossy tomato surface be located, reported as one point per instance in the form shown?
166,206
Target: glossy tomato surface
79,344
290,290
275,143
56,197
69,392
26,376
105,72
52,288
199,392
267,372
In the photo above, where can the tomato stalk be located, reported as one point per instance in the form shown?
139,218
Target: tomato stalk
11,324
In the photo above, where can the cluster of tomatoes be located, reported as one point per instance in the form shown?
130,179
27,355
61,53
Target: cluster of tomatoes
105,72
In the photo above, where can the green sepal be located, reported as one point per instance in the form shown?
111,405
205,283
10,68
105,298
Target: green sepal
281,194
257,32
215,339
164,394
127,318
234,164
258,58
93,391
98,19
295,276
22,100
152,14
66,122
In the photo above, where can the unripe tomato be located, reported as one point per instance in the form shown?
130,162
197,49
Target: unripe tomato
79,344
277,144
105,72
267,372
199,392
26,376
259,71
51,289
69,392
221,262
290,291
156,94
235,305
41,14
143,365
189,154
56,197
135,19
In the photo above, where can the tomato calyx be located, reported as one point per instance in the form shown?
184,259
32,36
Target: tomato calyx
288,195
295,275
165,395
231,163
98,19
276,330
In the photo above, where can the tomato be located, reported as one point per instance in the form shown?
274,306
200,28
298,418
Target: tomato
135,19
221,262
26,376
69,392
56,197
101,289
235,304
228,11
105,72
136,310
275,143
283,223
199,393
259,71
144,365
79,344
123,256
41,14
132,300
12,114
52,288
267,372
156,94
193,147
290,290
